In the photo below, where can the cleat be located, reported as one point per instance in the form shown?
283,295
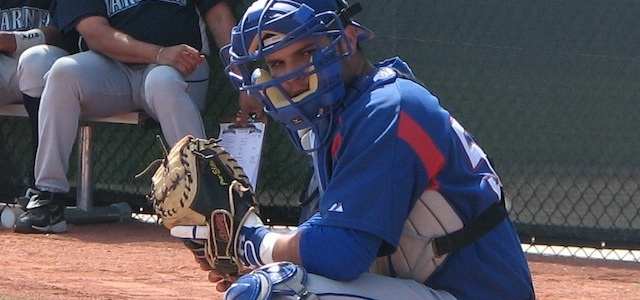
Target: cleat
43,214
22,202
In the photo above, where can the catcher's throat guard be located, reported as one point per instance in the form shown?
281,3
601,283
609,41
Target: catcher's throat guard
200,183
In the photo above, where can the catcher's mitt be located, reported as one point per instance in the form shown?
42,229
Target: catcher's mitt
199,183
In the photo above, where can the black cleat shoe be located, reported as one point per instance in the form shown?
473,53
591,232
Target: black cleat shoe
44,215
22,201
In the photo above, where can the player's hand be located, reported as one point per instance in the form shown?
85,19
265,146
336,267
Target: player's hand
222,282
249,106
7,42
182,57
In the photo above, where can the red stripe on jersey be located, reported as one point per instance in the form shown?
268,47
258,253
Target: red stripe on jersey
422,144
337,142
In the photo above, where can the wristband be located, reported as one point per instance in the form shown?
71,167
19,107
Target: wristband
158,55
266,248
255,242
27,39
255,246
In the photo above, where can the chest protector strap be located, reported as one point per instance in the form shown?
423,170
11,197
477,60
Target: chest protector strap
484,223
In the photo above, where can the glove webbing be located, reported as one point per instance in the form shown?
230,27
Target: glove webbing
223,235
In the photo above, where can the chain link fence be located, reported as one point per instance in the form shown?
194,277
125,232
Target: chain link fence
548,88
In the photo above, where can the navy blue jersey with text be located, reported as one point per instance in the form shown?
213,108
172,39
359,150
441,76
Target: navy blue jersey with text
159,22
19,15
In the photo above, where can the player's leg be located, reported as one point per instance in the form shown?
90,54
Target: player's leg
84,84
32,66
176,101
372,286
287,281
9,91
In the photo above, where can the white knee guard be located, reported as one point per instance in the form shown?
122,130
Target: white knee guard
279,278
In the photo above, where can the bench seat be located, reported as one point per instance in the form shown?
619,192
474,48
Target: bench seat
85,212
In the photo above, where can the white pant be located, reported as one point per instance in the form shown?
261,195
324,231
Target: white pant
33,64
24,73
9,91
89,84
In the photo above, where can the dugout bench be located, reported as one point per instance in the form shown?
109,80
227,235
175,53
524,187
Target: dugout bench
85,212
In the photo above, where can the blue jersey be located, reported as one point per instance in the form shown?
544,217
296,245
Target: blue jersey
20,15
159,22
392,142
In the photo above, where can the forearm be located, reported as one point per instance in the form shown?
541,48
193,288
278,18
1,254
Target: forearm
54,37
103,38
220,20
287,248
18,41
262,246
337,253
124,48
7,42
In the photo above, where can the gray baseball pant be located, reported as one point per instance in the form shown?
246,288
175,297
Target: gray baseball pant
89,84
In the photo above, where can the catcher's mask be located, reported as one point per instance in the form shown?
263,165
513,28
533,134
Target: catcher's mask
269,26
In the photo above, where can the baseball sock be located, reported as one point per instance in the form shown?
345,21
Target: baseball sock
32,104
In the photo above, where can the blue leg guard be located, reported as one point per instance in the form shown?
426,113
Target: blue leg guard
279,278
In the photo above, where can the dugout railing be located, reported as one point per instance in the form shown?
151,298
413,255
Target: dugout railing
548,89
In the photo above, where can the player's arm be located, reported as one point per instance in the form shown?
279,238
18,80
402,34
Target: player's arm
287,248
12,41
7,42
53,36
334,252
102,38
220,20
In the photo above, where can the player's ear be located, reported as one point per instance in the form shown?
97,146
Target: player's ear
351,37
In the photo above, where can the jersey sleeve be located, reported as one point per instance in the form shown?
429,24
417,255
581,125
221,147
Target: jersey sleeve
70,12
347,256
376,175
54,16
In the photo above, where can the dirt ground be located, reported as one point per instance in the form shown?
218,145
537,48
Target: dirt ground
136,261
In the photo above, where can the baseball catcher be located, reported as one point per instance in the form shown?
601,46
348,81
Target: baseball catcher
409,205
200,183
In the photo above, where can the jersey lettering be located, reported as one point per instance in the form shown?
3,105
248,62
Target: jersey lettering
476,155
23,18
117,6
474,152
